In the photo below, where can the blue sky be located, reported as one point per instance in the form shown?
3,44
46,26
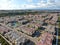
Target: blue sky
29,4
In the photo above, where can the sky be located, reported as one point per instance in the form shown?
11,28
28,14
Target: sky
29,4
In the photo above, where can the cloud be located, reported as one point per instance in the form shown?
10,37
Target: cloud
8,4
29,0
43,4
40,4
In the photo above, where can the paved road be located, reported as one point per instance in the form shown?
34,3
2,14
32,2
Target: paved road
6,39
